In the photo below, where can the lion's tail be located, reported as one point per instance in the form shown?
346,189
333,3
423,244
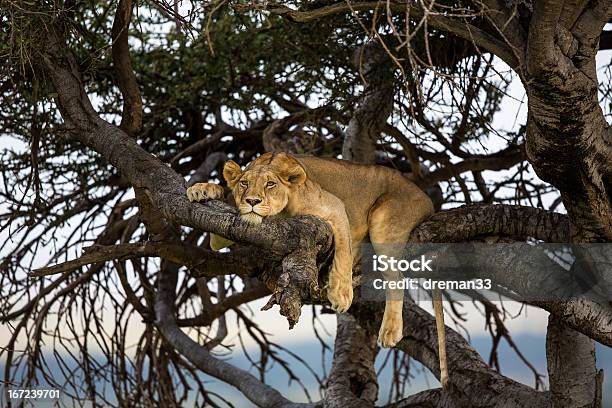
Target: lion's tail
439,314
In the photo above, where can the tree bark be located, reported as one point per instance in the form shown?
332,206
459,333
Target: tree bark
574,381
569,141
375,105
131,118
352,381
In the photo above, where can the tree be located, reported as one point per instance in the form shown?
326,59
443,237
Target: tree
112,106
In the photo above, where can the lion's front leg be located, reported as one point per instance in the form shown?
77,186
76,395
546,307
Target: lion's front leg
209,191
340,283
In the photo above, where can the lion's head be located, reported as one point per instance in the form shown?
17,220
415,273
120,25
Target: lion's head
264,187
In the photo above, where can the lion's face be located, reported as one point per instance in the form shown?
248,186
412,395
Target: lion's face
263,189
260,193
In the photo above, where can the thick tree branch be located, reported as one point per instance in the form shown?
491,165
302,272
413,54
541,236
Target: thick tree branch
425,399
586,316
527,274
571,367
471,221
375,104
352,380
131,118
568,139
540,48
590,23
571,11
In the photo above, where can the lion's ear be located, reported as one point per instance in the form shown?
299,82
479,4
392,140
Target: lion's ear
291,170
231,173
297,176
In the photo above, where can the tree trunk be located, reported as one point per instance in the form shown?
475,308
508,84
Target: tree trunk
574,381
569,141
352,381
375,106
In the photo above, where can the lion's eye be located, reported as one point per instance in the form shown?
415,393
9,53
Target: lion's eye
244,183
270,184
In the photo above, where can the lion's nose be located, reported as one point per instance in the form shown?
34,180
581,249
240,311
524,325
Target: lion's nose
253,201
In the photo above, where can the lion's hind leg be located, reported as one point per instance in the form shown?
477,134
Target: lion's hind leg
390,222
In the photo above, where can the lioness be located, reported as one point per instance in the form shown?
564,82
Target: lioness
357,200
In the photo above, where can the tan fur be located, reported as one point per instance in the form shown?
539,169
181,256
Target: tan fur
356,200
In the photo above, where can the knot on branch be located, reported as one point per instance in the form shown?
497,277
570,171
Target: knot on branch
298,280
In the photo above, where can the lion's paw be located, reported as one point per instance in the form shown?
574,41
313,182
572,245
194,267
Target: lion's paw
390,332
204,191
340,296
